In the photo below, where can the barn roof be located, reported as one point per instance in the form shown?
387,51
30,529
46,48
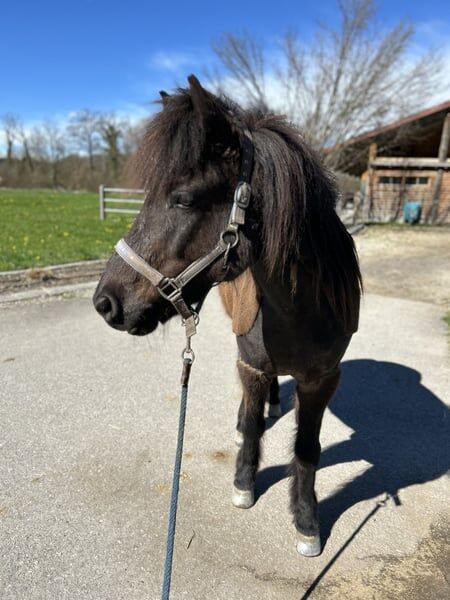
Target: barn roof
414,136
437,111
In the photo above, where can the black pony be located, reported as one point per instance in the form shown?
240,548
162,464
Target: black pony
300,256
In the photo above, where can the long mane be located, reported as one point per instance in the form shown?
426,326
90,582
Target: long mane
300,223
294,192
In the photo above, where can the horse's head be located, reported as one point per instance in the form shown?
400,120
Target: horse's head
189,161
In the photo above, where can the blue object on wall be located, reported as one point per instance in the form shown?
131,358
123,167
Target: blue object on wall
412,212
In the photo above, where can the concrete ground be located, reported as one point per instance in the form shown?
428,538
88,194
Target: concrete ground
88,421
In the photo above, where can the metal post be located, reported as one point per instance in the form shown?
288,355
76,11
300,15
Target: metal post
102,202
442,157
371,208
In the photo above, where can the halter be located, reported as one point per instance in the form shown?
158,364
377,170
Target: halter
171,288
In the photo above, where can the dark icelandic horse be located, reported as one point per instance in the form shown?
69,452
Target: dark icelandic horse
300,255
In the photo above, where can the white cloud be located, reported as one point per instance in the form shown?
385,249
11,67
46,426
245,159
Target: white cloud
172,61
134,112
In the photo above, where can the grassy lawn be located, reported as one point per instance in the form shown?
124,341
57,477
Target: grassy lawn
447,319
45,227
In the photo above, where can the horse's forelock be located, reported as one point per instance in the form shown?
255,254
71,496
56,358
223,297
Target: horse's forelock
176,137
172,144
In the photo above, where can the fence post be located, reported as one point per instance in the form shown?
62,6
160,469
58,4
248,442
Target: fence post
101,190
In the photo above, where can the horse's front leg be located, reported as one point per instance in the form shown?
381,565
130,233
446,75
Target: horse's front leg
251,425
273,412
311,403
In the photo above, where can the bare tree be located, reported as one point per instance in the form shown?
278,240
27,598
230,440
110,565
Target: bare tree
132,136
22,135
353,77
15,131
243,57
111,130
38,144
84,131
53,135
9,123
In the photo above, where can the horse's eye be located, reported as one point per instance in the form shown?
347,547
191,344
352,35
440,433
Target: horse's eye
182,199
228,152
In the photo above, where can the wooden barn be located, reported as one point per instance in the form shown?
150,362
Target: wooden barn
404,162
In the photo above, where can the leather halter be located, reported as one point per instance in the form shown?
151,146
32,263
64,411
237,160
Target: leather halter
171,288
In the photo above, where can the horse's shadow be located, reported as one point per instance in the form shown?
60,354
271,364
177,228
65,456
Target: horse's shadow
400,428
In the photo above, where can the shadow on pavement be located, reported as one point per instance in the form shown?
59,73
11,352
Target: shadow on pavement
400,428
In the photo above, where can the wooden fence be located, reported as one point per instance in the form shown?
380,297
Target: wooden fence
109,196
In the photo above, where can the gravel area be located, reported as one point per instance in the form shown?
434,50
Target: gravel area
406,262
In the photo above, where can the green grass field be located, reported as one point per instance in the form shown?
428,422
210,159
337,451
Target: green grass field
45,227
447,319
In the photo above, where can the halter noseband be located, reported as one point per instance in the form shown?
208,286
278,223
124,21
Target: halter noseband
171,288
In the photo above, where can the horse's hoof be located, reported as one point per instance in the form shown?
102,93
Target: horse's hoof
274,411
238,439
308,545
242,498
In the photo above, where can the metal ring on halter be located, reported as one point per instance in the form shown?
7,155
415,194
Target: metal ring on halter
188,354
233,233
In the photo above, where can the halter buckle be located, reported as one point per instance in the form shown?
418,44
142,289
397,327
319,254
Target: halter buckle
169,289
242,194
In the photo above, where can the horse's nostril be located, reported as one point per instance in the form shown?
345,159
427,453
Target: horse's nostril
103,305
108,307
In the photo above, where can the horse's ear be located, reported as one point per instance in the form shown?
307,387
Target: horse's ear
164,97
200,97
215,121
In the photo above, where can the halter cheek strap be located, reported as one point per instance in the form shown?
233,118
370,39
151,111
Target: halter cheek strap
171,288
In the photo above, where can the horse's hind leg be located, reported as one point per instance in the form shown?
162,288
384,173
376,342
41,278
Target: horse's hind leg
311,403
251,424
274,400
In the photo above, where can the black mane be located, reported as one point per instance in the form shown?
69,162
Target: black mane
295,193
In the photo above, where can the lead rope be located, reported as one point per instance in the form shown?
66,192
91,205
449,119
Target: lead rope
188,357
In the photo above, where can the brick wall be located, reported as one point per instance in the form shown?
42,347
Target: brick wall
444,205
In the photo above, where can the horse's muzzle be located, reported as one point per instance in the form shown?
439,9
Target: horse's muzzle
140,321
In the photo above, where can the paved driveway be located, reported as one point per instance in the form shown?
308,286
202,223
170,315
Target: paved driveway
87,434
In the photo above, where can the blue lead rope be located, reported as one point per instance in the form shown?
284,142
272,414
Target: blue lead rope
187,363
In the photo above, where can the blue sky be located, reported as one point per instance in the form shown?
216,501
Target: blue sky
58,57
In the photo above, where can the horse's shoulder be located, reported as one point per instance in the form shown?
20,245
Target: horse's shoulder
241,301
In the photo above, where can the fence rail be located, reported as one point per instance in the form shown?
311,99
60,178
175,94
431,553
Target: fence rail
105,200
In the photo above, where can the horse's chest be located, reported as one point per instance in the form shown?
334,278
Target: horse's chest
302,346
